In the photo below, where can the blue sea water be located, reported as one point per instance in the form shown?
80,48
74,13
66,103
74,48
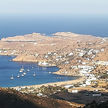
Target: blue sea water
20,25
43,74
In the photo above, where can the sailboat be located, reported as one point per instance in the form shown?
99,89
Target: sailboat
18,76
34,74
28,70
24,73
49,72
12,77
22,69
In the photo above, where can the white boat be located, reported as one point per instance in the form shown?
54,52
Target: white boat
50,72
18,76
28,70
22,69
34,74
32,67
12,77
22,75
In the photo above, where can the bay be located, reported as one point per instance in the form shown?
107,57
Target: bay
43,74
20,25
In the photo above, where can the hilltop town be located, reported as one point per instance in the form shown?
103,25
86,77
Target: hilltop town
74,55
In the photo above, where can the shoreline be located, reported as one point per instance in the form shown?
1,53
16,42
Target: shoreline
62,83
74,54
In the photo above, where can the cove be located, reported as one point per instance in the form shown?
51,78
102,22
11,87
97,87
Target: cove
43,75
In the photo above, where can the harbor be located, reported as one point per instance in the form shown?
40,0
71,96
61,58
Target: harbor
22,74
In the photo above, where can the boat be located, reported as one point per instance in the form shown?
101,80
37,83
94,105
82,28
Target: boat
24,73
12,77
28,70
22,69
32,67
34,74
18,76
49,72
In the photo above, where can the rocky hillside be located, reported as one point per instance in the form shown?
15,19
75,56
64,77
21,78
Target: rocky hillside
13,99
97,105
10,98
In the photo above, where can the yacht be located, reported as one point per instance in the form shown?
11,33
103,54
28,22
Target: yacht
22,75
12,77
34,74
22,69
18,76
28,70
32,67
50,72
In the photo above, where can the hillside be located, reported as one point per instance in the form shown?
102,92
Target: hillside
13,99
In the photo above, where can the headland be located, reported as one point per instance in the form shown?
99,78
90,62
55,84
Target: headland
74,54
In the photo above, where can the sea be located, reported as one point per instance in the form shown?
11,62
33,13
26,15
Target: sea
20,25
34,74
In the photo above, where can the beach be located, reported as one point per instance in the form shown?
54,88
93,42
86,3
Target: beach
54,84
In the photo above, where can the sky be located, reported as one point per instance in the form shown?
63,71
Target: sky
54,7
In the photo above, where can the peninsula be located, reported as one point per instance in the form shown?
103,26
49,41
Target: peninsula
74,54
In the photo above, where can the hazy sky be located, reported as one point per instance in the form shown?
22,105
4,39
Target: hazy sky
54,7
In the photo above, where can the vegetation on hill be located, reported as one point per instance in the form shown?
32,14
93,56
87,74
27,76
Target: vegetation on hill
10,98
94,104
